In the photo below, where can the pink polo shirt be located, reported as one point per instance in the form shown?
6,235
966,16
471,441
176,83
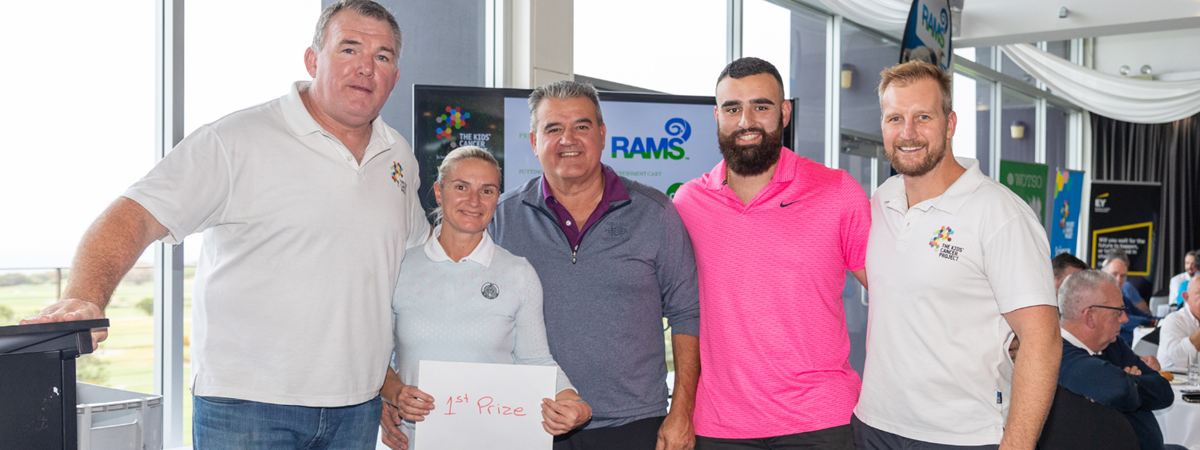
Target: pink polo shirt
774,351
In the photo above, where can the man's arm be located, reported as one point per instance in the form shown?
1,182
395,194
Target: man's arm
107,251
680,291
861,275
677,431
1035,376
1175,345
1154,391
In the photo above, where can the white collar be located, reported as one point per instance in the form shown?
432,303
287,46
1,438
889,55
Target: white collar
1076,342
301,122
481,255
951,199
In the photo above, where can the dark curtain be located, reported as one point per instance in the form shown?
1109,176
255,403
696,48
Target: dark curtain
1167,153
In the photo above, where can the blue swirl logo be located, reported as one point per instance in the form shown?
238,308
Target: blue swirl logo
677,129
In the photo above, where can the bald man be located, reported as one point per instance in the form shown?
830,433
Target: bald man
1180,336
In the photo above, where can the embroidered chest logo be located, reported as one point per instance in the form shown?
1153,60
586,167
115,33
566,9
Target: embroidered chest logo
490,291
398,175
941,243
616,229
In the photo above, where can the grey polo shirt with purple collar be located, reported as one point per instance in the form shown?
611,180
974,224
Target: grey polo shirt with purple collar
607,291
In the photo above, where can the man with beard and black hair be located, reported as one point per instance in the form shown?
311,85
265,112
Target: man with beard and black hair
774,235
958,269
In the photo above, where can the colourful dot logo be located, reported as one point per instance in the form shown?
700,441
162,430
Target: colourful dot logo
397,172
454,118
942,235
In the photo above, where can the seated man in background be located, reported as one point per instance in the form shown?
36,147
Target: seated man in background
1117,265
1179,282
1096,365
1180,335
1065,264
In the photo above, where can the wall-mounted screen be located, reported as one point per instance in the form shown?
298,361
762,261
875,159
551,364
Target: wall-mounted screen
660,140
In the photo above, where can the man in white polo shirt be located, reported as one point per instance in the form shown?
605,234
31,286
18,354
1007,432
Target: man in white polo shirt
307,203
957,266
1180,336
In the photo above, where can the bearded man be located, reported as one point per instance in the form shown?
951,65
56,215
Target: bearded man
959,268
774,235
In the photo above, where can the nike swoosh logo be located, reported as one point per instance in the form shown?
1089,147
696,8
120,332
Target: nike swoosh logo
785,205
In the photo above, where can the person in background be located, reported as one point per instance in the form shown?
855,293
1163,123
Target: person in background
462,298
307,203
1179,337
773,296
1097,365
1065,264
957,267
614,260
1117,266
1177,286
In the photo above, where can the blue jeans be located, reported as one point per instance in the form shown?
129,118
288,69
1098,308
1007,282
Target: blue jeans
226,423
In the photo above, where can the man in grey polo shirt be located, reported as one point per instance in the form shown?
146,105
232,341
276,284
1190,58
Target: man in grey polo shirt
614,258
307,203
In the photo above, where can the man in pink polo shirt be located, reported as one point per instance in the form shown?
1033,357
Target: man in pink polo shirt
774,235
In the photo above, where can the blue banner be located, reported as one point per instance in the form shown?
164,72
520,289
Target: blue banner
1064,225
927,35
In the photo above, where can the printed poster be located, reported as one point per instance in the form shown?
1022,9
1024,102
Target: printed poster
927,35
1066,210
1124,215
1028,181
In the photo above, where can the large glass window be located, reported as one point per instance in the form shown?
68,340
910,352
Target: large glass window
864,54
1010,68
76,137
1057,122
979,55
973,107
1019,113
216,67
794,41
1061,49
672,46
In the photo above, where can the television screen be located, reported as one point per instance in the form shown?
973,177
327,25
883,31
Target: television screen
659,140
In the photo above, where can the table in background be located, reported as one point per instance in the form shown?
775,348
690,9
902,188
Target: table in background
1180,422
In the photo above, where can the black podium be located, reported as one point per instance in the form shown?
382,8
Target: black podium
37,391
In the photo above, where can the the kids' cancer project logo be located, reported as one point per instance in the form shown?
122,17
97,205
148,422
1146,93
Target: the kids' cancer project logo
941,242
942,235
398,175
454,118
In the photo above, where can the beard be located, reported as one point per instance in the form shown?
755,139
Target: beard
753,159
933,157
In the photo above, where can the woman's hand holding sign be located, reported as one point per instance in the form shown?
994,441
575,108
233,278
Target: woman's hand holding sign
414,405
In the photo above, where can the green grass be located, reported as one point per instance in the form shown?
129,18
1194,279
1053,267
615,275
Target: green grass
126,359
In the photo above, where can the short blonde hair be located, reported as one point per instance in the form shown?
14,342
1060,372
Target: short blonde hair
453,158
913,71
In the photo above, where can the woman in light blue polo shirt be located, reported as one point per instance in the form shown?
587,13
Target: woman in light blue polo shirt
461,298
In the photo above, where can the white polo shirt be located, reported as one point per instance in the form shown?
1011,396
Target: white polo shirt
1174,339
302,249
941,274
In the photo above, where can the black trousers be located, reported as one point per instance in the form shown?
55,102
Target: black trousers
835,438
867,437
636,435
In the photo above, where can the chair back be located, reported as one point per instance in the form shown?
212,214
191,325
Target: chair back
1078,423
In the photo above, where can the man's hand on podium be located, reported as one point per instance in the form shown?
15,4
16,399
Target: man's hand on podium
70,310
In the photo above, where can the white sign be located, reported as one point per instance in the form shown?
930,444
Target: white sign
493,406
